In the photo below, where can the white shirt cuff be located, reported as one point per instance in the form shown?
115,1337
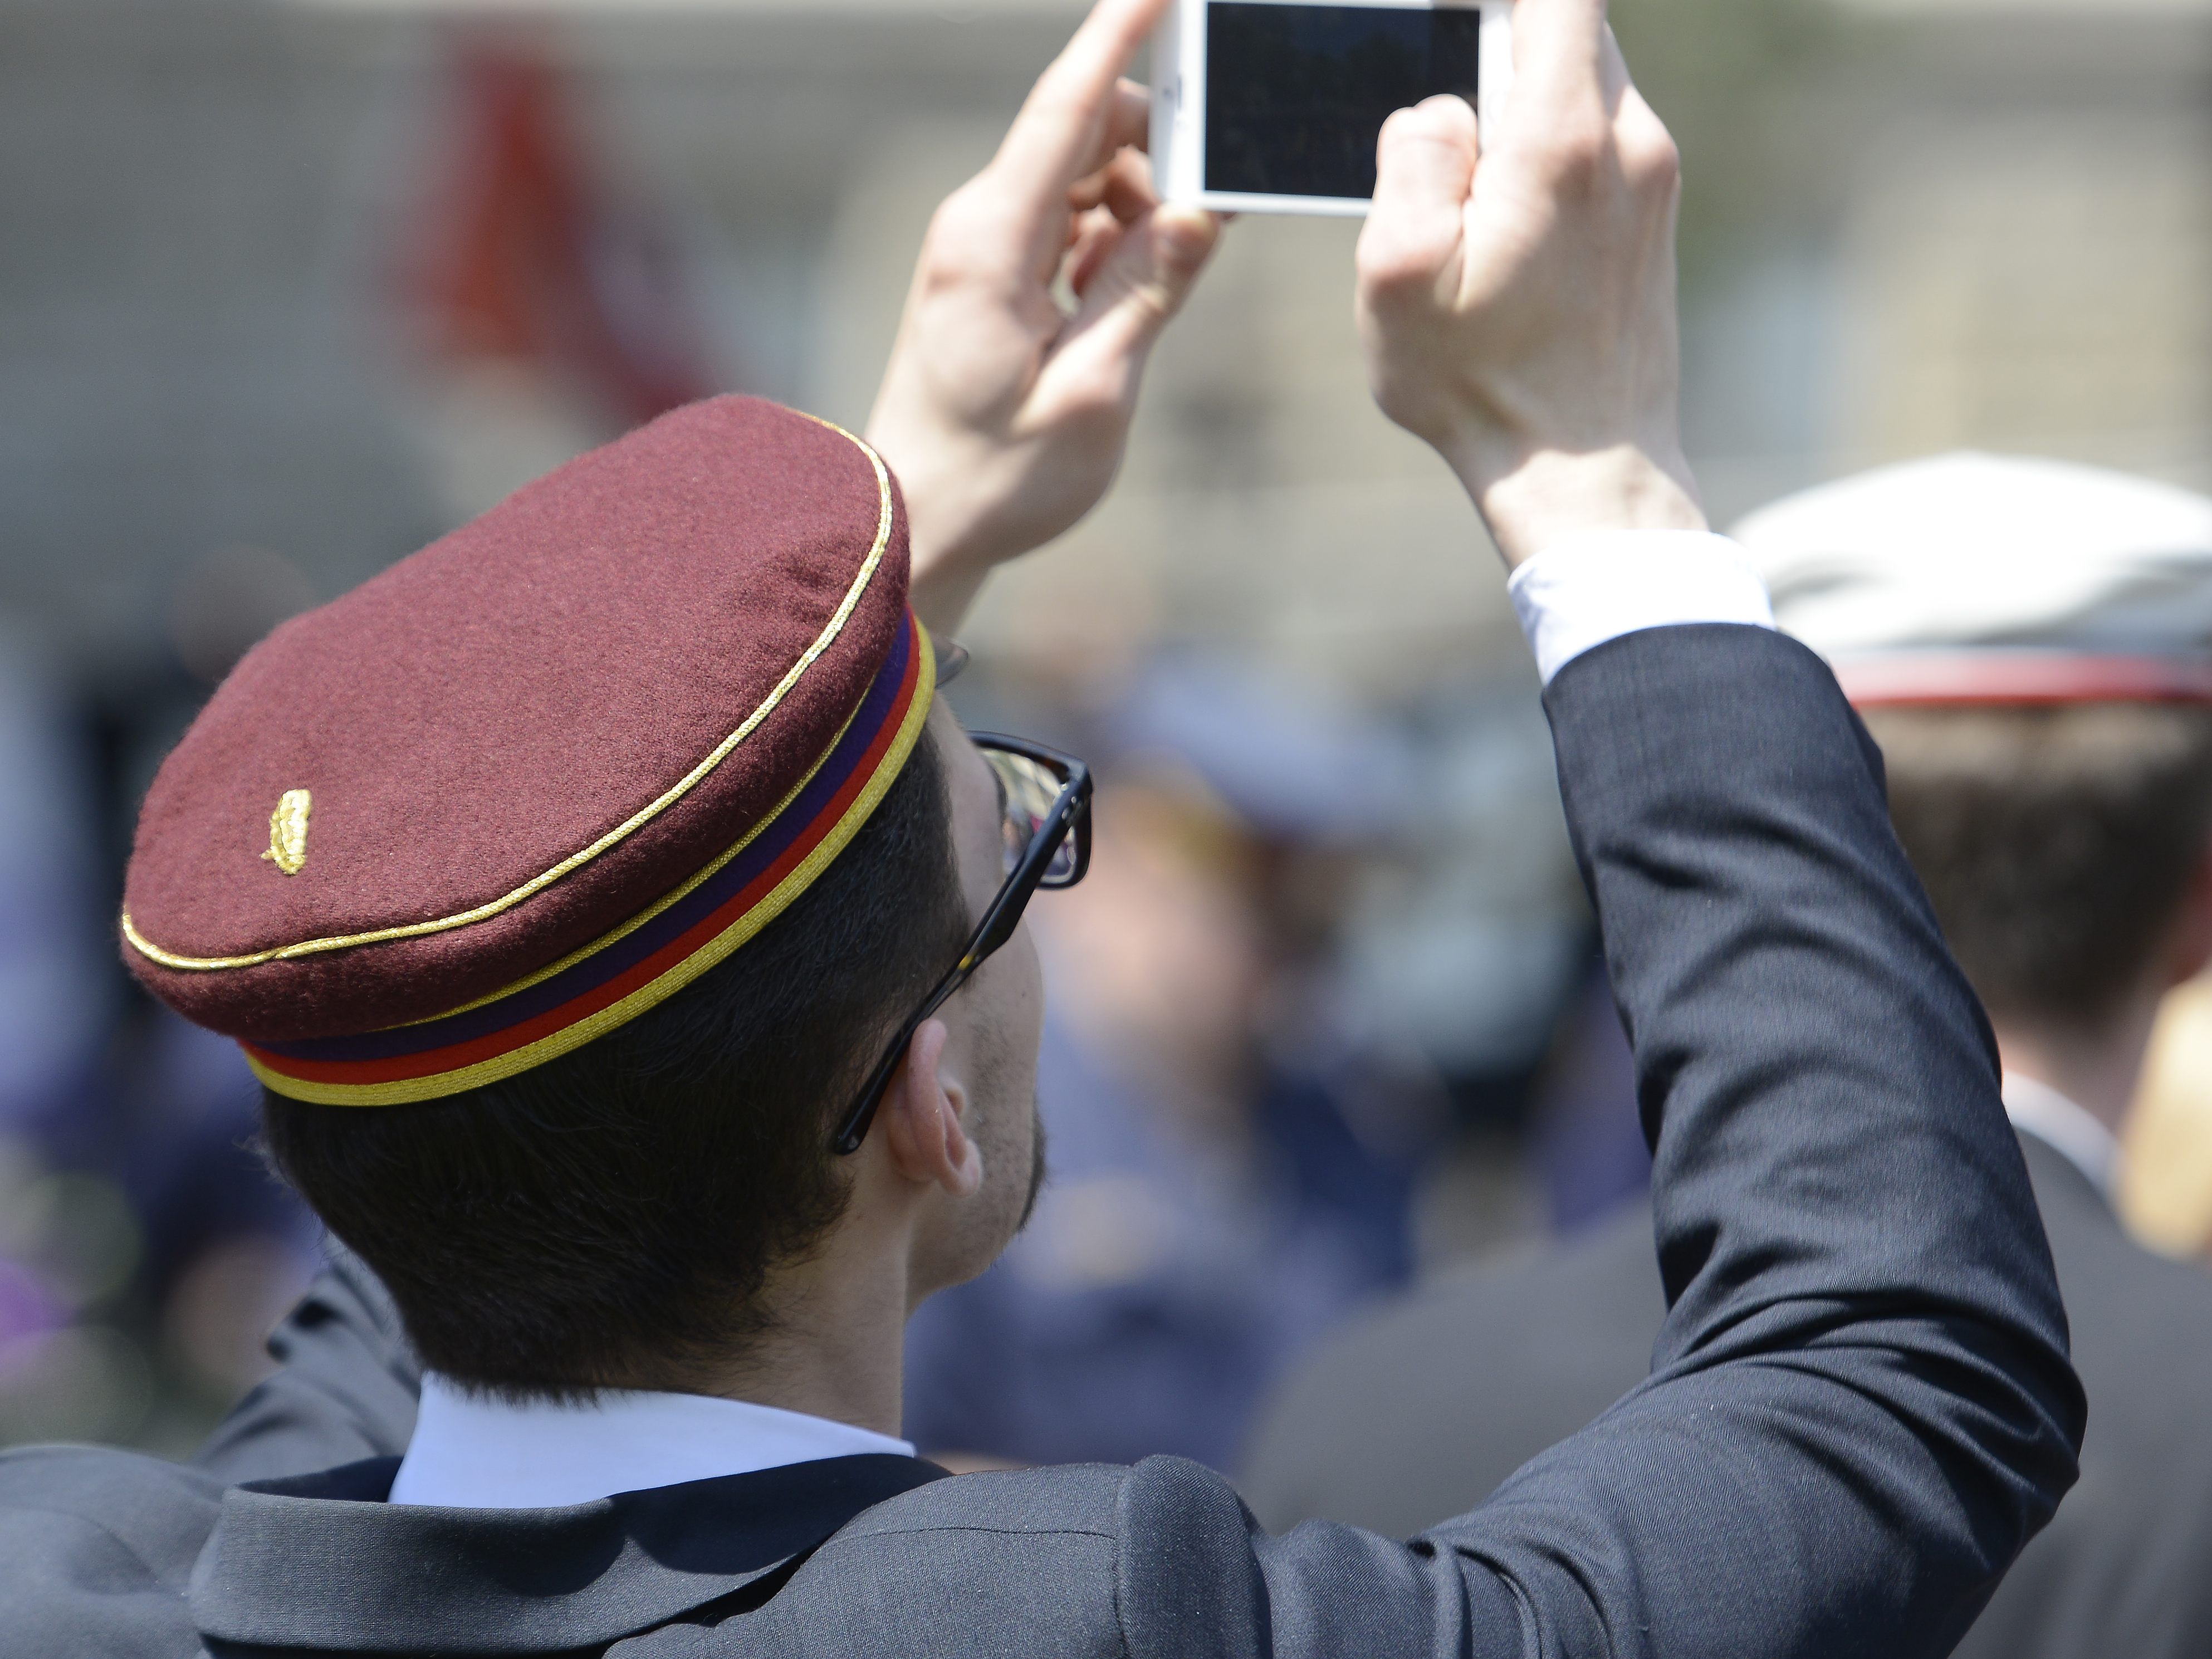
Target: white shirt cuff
1590,589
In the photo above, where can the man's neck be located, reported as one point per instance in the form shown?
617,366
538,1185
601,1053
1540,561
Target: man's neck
831,1352
2097,1071
834,1346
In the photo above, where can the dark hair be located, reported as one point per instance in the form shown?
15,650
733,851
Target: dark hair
608,1219
2055,842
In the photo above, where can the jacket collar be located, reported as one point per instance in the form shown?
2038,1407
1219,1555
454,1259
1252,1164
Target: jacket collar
323,1563
2071,1131
2062,1192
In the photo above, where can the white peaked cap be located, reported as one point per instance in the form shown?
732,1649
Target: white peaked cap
1972,578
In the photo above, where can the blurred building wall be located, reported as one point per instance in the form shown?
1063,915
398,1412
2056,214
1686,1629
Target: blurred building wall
2000,233
183,367
2002,240
2028,256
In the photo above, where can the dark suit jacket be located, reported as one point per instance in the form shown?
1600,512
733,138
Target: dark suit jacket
345,1389
1862,1406
1362,1433
2126,1567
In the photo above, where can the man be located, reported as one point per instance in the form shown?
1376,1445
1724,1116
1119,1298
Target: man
657,1147
2028,642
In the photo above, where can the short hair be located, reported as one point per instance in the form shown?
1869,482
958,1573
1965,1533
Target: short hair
608,1219
2055,841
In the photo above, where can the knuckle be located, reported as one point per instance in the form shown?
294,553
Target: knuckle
1408,400
962,233
950,229
1401,277
1095,407
1387,278
1399,264
1652,160
959,206
1153,303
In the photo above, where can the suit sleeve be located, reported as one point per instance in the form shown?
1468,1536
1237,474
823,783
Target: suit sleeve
345,1389
1861,1405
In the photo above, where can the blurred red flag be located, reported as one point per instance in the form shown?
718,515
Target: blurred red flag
530,258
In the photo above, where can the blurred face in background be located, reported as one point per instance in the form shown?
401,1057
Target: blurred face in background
1159,959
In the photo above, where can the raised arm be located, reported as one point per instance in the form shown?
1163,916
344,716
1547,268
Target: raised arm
1005,415
1861,1407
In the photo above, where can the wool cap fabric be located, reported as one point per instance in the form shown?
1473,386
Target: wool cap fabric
534,778
1973,578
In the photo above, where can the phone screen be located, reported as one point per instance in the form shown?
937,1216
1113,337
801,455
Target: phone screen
1295,96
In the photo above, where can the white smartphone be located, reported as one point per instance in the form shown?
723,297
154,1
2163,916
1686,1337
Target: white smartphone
1274,106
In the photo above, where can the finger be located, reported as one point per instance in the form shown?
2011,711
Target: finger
1424,166
1098,233
1129,121
1057,136
1132,112
1648,155
1558,55
1119,193
1424,157
1140,283
1124,184
1122,194
1614,80
1129,124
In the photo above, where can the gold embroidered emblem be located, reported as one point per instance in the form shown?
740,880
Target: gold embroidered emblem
287,832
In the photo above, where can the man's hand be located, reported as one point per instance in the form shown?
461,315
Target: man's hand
1519,313
1005,415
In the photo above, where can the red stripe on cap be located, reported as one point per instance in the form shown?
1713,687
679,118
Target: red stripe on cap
1966,678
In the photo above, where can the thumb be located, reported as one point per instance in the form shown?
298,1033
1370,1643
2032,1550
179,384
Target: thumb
1141,284
1424,170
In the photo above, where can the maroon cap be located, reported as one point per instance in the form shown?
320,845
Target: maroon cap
530,780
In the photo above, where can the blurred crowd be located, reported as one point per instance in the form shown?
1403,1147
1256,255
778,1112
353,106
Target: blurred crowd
1249,1105
143,1250
1326,1019
1325,1012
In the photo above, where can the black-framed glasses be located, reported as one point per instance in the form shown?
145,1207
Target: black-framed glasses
1044,799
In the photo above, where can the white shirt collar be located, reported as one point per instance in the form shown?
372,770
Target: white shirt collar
2066,1128
471,1451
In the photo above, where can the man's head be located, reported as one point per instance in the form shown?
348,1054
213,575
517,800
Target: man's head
619,1216
2065,848
614,839
2031,645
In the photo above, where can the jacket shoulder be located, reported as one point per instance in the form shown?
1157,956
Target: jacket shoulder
1084,1560
1078,1498
2120,1568
2143,1321
96,1547
1012,1563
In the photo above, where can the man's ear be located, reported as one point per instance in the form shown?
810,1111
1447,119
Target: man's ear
921,1119
2192,933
